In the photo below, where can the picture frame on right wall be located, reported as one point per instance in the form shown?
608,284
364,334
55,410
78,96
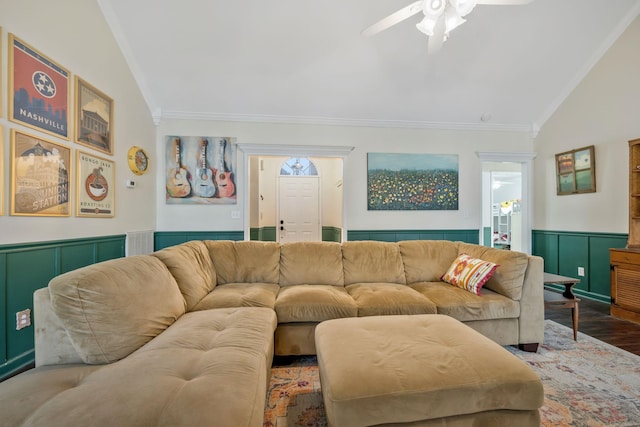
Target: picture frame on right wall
576,171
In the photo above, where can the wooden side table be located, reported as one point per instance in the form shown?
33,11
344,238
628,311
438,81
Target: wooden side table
564,300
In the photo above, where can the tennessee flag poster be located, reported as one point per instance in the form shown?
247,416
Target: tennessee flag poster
38,90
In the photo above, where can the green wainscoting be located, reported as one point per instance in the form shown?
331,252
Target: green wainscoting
268,234
164,239
468,236
263,234
331,234
24,268
565,251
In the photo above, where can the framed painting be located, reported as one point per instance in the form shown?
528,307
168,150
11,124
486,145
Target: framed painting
38,90
200,170
40,176
96,186
576,171
94,117
412,181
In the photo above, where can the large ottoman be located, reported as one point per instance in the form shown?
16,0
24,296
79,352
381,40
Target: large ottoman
423,370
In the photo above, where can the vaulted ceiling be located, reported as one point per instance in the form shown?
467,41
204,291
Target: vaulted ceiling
302,61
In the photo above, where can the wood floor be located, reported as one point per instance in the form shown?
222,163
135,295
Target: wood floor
594,320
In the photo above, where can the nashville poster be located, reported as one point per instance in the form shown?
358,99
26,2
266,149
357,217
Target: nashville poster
39,88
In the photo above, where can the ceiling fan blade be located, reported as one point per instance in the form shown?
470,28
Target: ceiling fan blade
503,2
393,19
437,39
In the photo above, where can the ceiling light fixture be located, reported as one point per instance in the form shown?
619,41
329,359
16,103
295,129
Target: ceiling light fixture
440,17
452,11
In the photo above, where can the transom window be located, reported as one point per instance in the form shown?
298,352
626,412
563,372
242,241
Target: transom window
300,166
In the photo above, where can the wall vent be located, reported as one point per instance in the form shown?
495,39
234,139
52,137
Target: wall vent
139,242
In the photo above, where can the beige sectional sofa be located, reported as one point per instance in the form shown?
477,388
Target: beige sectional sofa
186,336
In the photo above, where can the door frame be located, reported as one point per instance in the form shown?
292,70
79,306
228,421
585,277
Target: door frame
248,150
526,162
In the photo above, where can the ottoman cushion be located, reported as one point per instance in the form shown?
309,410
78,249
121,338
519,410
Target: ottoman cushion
408,368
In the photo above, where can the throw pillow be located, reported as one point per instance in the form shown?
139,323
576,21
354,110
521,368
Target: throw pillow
469,273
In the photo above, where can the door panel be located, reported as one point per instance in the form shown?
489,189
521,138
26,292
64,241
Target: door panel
299,209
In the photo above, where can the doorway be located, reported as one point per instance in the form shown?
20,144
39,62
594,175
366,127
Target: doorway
507,200
259,190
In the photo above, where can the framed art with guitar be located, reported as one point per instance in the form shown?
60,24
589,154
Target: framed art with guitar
200,170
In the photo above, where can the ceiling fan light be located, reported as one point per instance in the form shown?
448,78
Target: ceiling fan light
427,25
452,20
433,8
463,7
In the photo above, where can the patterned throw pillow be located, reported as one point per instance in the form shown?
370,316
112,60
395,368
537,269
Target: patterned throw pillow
469,273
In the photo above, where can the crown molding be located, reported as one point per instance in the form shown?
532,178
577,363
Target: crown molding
586,68
118,34
335,121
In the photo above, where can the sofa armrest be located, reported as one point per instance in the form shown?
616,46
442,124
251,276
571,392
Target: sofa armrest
52,344
531,322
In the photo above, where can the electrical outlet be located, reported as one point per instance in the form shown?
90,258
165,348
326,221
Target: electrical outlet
581,271
23,319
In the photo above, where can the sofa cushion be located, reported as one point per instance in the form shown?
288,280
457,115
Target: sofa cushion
314,303
372,262
469,273
240,295
245,261
426,260
311,263
381,299
191,266
112,308
465,306
209,368
509,277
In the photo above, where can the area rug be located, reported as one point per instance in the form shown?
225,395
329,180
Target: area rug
587,383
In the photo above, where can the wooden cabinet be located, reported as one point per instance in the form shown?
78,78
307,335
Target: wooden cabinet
625,284
634,194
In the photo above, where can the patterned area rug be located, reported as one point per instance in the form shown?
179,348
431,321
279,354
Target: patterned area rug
587,383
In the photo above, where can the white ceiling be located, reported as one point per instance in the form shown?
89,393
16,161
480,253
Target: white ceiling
303,61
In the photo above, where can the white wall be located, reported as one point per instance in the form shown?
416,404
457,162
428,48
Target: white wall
365,139
604,111
74,34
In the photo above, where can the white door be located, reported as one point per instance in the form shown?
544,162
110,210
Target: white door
299,209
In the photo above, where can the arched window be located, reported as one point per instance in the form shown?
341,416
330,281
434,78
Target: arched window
300,166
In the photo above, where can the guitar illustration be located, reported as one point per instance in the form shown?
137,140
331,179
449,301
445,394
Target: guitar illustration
203,185
224,177
178,177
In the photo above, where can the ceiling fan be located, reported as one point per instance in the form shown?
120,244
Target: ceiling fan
440,17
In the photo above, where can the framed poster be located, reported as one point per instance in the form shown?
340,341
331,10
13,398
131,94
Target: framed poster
94,117
38,90
200,170
576,171
40,176
96,186
412,181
